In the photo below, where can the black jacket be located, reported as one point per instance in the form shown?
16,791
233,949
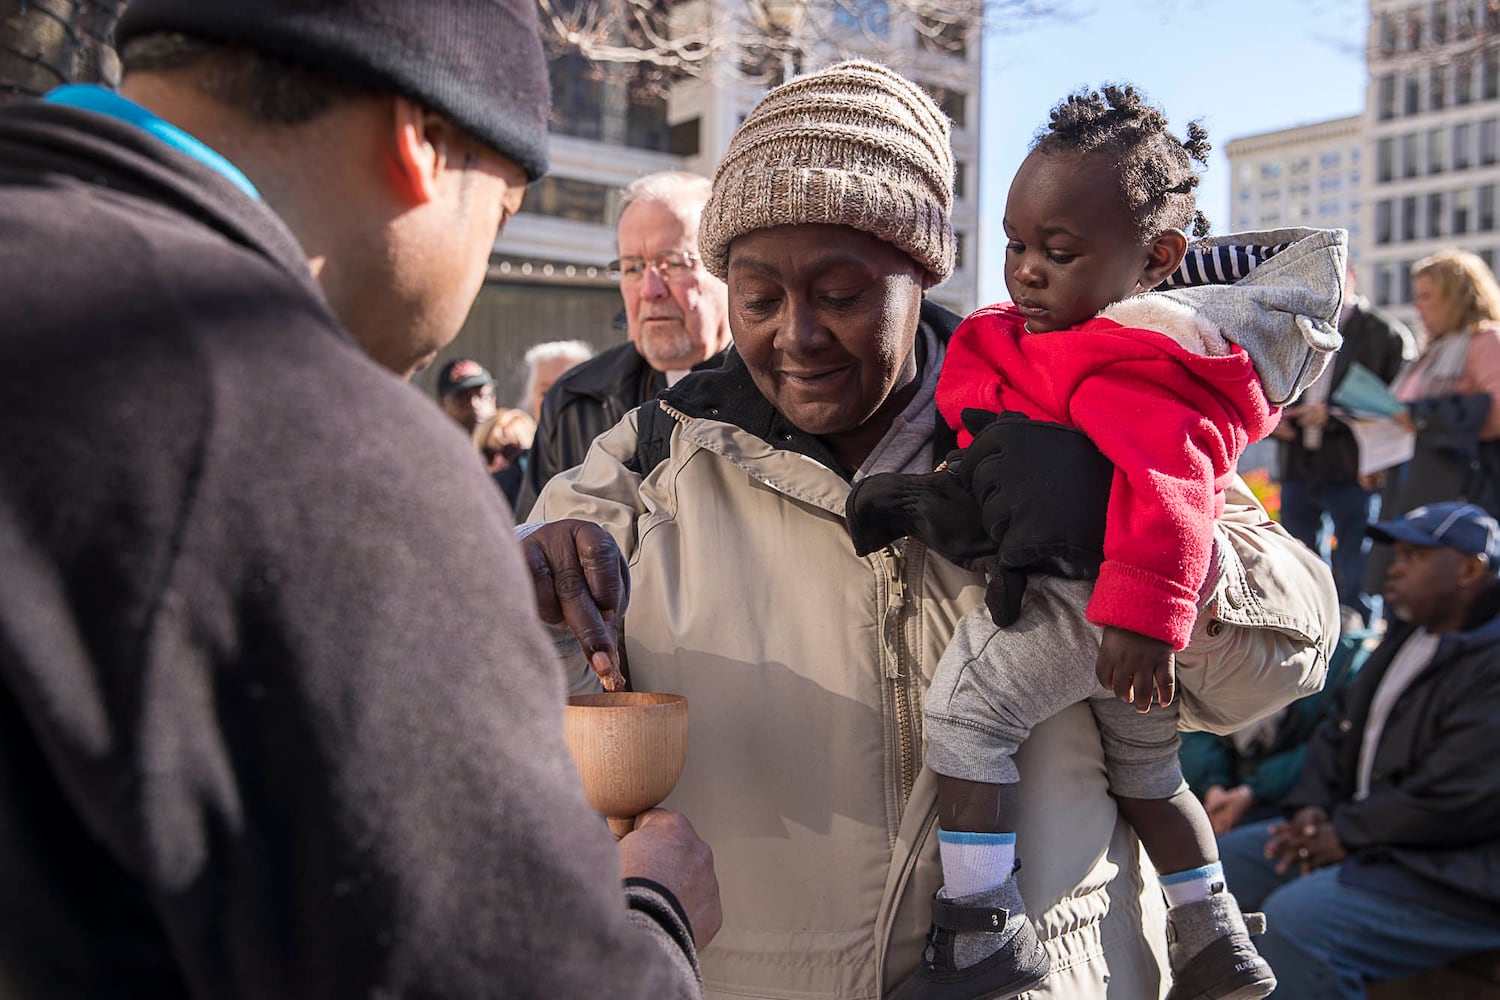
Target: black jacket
587,401
1430,828
276,719
1380,342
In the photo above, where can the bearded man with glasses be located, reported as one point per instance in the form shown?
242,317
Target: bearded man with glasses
676,313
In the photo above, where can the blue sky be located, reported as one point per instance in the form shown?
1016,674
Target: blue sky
1242,67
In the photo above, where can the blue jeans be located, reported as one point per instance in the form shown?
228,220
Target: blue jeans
1326,940
1316,512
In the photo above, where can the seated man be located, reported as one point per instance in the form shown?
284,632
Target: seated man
1390,861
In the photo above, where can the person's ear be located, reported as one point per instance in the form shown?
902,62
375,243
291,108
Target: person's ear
422,145
1162,257
1473,571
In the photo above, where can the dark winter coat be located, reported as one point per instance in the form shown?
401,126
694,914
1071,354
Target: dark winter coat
276,717
586,401
1429,830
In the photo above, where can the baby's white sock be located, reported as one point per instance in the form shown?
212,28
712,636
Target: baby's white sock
1190,886
974,862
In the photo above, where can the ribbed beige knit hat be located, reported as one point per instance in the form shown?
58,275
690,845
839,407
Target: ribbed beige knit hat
856,144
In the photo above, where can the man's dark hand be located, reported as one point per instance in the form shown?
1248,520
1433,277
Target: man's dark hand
582,581
1136,667
1307,840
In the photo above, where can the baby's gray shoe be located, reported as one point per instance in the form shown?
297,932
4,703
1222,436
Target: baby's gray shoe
981,947
1209,949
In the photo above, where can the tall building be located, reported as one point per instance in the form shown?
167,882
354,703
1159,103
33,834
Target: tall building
547,279
1309,175
1432,124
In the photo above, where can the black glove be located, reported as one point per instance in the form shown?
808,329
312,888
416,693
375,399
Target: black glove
1043,490
934,507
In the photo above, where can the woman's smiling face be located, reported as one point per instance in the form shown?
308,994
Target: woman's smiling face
825,318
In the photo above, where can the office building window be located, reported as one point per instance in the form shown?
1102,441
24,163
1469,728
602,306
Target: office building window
1490,85
1488,145
1382,284
1486,221
955,105
1461,140
1437,22
960,170
1409,155
576,97
580,107
1463,81
567,198
1435,151
872,16
958,251
1411,90
1408,218
1461,209
1383,221
1403,274
1437,84
942,35
1386,97
1434,215
686,138
1488,256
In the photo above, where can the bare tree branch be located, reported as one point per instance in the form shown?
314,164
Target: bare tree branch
47,42
758,40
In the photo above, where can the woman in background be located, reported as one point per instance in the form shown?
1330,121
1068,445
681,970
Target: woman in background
1452,395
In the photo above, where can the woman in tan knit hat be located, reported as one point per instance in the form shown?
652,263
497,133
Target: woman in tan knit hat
804,663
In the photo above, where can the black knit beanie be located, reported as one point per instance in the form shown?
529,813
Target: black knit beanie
479,63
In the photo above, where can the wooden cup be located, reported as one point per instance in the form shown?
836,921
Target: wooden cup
629,747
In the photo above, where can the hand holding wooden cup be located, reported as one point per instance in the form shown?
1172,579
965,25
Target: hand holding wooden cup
629,748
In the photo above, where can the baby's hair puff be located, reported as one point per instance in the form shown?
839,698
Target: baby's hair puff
1157,179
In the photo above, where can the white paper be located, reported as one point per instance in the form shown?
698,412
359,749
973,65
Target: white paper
1383,443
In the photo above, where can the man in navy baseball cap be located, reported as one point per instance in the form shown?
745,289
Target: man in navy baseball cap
1438,546
1462,526
1391,833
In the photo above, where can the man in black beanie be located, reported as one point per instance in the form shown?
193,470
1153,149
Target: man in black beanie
254,741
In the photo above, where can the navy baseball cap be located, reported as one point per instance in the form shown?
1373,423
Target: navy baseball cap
1461,526
462,373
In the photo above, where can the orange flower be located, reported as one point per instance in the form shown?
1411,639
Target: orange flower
1266,490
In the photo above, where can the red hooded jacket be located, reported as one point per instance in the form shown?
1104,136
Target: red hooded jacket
1173,422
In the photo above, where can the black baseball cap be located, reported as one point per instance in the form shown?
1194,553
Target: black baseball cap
460,374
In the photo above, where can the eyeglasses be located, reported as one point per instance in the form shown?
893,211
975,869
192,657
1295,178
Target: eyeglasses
668,266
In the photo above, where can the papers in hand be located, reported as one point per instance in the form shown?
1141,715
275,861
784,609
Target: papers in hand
1363,394
1366,406
1383,443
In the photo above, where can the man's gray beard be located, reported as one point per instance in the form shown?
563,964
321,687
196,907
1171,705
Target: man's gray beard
673,351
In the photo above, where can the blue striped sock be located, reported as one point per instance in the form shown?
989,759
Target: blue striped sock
1193,885
974,862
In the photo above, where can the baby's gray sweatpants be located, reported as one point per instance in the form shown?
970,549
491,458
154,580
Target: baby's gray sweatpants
993,685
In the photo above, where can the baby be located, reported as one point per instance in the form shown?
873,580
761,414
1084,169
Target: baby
1166,396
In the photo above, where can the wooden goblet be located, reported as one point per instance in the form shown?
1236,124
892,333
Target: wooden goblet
629,747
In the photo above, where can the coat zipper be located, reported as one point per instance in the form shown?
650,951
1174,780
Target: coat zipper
901,680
